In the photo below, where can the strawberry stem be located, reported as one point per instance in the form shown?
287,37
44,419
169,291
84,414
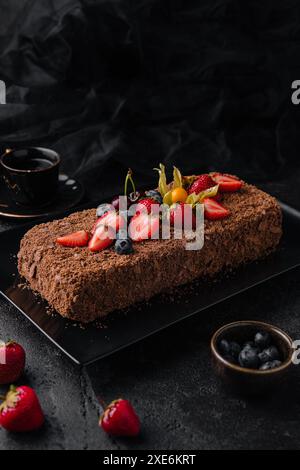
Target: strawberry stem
129,178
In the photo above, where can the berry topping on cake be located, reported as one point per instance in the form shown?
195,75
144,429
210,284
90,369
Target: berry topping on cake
103,238
143,227
103,209
135,195
123,246
227,183
145,204
178,195
213,210
71,240
153,194
202,183
110,219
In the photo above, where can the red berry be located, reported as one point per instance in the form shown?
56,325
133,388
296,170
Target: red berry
79,238
145,203
103,237
116,202
110,219
177,214
120,419
14,356
143,227
21,411
213,210
227,183
202,183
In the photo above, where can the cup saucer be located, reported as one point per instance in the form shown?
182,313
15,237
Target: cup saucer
70,192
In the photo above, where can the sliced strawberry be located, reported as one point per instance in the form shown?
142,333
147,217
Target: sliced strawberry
213,210
143,227
147,204
227,183
102,238
79,238
110,219
202,183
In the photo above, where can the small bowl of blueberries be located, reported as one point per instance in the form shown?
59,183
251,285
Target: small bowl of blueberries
251,356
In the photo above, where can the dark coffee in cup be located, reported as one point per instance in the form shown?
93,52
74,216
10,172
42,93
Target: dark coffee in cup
31,175
32,164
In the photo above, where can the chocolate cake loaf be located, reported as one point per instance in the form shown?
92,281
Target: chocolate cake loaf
83,285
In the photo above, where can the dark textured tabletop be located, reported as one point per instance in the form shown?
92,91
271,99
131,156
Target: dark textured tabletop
168,378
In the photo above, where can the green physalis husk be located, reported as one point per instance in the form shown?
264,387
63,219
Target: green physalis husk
188,180
178,182
167,199
194,198
162,182
177,178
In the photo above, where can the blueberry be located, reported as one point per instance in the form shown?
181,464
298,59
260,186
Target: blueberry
262,339
276,363
121,236
266,366
123,246
235,349
154,195
269,354
248,357
102,209
250,345
224,347
270,365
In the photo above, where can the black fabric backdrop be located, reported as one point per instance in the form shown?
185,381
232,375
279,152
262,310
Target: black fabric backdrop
203,84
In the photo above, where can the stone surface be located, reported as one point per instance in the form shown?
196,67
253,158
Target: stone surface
169,380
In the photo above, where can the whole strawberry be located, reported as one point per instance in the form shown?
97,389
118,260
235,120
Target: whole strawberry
120,419
202,183
21,411
13,356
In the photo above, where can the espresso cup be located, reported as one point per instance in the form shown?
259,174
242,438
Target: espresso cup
31,175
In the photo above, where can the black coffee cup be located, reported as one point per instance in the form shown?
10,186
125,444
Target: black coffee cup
31,175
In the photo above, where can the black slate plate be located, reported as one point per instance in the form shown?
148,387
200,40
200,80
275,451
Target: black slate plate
90,343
